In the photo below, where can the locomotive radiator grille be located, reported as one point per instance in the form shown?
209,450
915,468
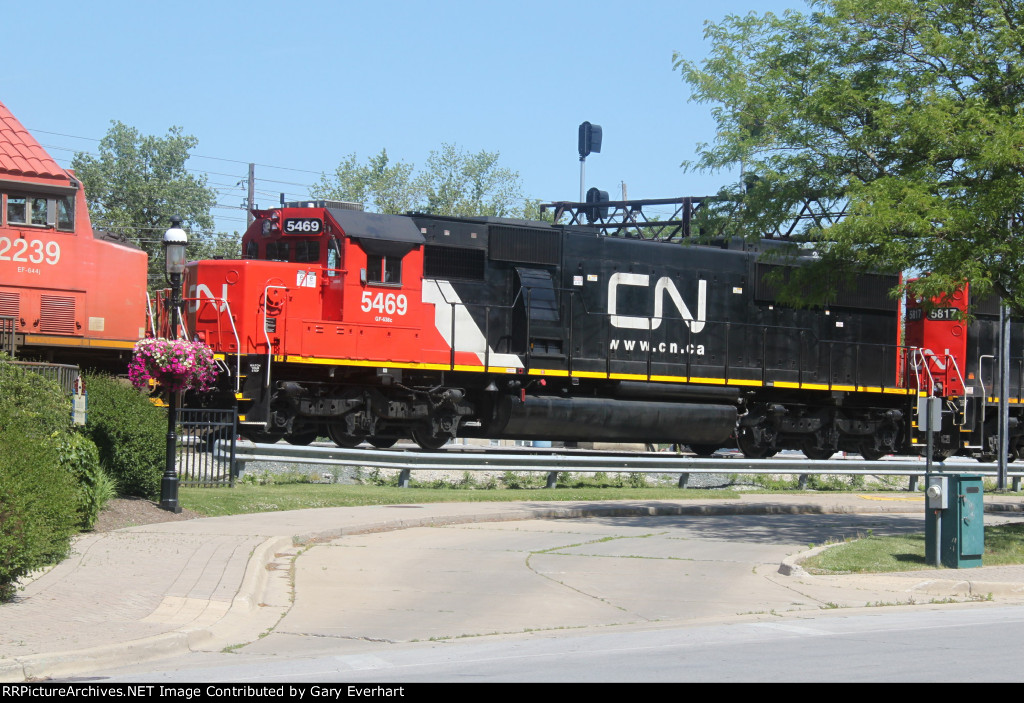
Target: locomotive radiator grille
56,314
10,304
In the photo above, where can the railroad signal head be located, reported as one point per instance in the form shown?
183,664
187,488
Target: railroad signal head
596,209
590,139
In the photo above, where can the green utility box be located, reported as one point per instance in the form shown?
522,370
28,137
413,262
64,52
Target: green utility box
955,520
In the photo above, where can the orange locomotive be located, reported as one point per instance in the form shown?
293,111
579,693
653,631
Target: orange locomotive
67,294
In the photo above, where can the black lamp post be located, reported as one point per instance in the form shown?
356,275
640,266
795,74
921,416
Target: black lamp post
175,240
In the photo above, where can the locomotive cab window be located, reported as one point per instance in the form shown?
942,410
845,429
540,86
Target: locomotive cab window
384,270
17,210
307,252
41,211
65,213
277,251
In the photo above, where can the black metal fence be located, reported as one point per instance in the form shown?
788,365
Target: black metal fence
7,335
63,375
199,461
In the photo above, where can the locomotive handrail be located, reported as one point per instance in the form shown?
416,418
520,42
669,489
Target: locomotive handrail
202,301
184,327
918,352
149,315
238,346
956,367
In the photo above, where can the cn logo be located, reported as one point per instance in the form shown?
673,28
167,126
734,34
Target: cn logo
664,287
202,291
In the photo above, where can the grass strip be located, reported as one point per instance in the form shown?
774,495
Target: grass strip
243,498
1004,544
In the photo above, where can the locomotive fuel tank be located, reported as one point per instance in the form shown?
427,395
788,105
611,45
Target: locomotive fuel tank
615,420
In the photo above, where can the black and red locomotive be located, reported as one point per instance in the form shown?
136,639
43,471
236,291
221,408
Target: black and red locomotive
368,327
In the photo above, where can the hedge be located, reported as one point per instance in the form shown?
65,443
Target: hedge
39,497
130,434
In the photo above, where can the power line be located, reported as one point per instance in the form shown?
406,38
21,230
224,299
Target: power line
198,156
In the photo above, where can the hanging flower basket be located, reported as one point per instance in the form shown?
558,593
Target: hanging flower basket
175,364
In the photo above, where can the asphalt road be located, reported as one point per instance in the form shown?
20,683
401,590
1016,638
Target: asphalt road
605,599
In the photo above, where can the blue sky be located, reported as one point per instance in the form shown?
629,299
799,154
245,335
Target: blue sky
295,87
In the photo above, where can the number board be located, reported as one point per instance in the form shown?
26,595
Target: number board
935,314
302,225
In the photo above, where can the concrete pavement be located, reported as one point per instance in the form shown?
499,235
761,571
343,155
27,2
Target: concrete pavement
148,592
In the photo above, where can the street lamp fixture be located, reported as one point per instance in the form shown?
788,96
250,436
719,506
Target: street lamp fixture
175,241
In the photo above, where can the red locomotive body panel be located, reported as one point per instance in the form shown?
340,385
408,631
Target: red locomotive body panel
937,338
65,289
339,304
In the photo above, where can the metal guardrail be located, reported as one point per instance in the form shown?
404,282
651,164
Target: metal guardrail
407,461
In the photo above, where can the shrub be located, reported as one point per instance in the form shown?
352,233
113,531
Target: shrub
130,434
38,495
79,456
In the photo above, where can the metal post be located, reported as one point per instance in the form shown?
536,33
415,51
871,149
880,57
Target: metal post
583,171
1004,395
169,482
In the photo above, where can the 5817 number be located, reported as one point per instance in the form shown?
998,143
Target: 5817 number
34,251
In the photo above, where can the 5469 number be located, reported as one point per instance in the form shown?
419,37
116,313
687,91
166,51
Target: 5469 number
386,303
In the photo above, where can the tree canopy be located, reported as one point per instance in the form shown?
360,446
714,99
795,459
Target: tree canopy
138,182
905,114
454,183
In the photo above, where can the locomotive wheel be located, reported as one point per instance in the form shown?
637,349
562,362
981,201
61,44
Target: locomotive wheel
382,442
704,450
301,439
429,440
259,436
816,453
871,454
751,449
338,433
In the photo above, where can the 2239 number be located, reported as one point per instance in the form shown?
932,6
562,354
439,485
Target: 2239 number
34,251
386,303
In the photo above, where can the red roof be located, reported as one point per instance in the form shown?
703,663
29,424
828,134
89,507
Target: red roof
20,153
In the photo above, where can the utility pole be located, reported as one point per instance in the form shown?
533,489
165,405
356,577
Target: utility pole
1004,395
251,196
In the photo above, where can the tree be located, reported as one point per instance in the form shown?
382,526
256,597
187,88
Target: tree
907,114
454,183
138,182
466,185
379,185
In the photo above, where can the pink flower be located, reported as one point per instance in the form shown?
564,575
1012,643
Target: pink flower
175,364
